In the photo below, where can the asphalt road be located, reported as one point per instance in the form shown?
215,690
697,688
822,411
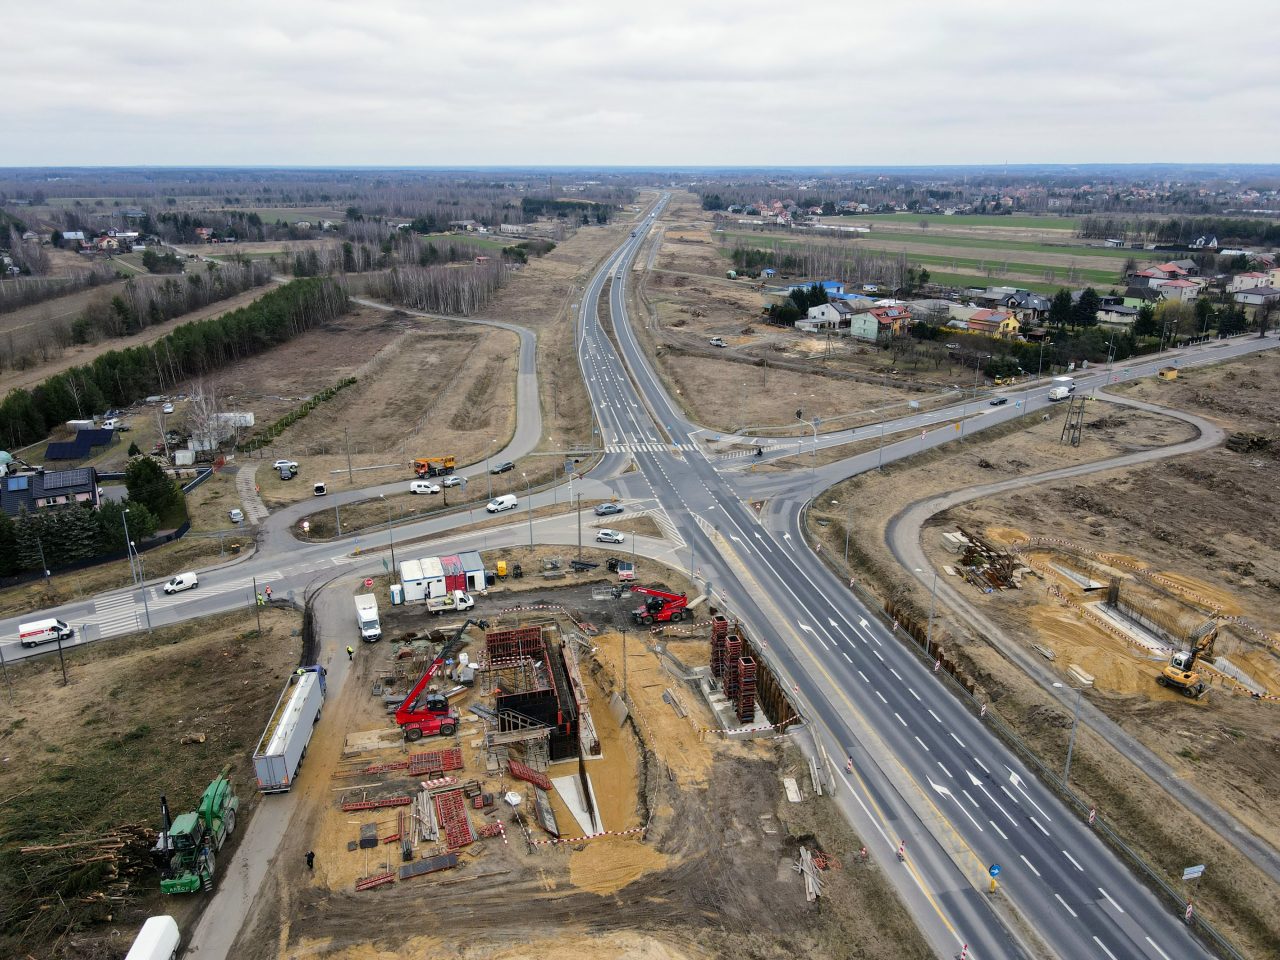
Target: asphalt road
923,768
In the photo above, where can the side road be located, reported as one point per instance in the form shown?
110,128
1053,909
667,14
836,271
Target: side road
903,537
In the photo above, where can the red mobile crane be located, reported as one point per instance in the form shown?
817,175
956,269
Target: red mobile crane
660,607
433,717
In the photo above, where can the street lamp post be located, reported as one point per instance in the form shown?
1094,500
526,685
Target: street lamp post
143,578
390,534
528,489
133,573
488,456
1026,394
1071,744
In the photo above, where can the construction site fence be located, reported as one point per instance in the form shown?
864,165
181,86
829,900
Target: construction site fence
908,631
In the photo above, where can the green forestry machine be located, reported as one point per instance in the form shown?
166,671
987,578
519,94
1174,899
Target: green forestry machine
186,848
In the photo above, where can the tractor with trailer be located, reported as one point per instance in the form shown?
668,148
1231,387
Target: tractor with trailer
185,852
425,467
1181,674
429,714
661,607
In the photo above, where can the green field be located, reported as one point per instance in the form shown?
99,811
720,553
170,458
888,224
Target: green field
973,280
1015,246
287,214
972,220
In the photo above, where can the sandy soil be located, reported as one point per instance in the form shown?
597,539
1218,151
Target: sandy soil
705,879
1225,744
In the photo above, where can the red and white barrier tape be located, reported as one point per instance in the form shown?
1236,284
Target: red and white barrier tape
605,833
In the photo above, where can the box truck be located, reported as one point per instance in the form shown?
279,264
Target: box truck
284,741
157,940
1059,393
367,617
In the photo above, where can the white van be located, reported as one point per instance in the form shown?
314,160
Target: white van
423,486
319,490
158,940
506,502
183,581
44,631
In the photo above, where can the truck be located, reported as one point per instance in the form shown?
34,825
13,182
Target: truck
284,742
1069,383
453,600
434,466
185,852
1059,393
44,631
367,617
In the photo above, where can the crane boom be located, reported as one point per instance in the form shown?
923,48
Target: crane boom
407,712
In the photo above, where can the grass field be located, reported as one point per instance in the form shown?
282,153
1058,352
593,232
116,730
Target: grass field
972,220
1017,246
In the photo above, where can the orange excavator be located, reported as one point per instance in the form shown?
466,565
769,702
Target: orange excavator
432,716
661,607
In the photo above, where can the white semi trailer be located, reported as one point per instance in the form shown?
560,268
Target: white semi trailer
284,742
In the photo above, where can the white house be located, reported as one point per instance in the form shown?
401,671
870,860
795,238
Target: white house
828,316
1181,291
1258,296
1247,281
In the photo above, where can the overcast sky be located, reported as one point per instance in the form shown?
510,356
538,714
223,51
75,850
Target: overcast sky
434,82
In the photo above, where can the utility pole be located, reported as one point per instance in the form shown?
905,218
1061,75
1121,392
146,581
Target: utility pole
624,664
528,489
257,607
346,437
128,549
5,667
390,534
579,526
61,661
142,577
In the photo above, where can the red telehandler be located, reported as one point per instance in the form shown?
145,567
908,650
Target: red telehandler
661,606
433,716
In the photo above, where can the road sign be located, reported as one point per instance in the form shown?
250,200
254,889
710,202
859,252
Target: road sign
1193,873
368,581
1190,911
994,870
817,422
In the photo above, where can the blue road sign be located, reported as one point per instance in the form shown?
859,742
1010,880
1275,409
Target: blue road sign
995,870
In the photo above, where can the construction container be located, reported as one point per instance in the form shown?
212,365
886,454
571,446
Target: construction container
432,576
455,578
473,568
411,578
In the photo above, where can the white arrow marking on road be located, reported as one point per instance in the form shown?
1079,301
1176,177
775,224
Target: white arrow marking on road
808,629
947,793
863,621
978,783
1017,782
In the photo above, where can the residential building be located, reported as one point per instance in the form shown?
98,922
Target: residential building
892,320
42,490
1188,267
1258,296
1181,291
828,316
1208,242
993,323
1117,315
1247,281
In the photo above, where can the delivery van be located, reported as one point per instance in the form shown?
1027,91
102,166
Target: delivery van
44,631
506,502
157,940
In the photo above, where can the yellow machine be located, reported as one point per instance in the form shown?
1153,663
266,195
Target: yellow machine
1181,673
434,466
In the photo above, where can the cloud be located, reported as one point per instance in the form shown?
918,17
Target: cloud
664,82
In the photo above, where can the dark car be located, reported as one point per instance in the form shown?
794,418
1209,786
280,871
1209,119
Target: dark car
502,467
999,401
607,509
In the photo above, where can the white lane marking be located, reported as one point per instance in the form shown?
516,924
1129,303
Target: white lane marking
882,699
998,830
922,744
1156,948
901,721
847,657
955,738
878,657
934,715
913,693
1038,827
863,676
896,674
981,764
1017,782
1104,948
939,788
979,784
1073,861
1008,794
1068,909
1030,865
945,770
1110,901
966,793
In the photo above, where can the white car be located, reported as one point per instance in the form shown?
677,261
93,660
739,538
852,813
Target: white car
610,536
167,408
183,581
452,481
423,486
286,465
236,515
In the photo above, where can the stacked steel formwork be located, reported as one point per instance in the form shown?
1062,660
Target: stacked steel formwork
719,632
732,654
746,702
533,685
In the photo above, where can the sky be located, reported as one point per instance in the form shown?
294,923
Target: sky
660,82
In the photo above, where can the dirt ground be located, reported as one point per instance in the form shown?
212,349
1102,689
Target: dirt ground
686,299
710,877
1226,745
167,712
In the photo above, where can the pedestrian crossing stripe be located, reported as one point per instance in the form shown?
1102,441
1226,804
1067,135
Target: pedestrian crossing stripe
739,454
158,598
647,447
